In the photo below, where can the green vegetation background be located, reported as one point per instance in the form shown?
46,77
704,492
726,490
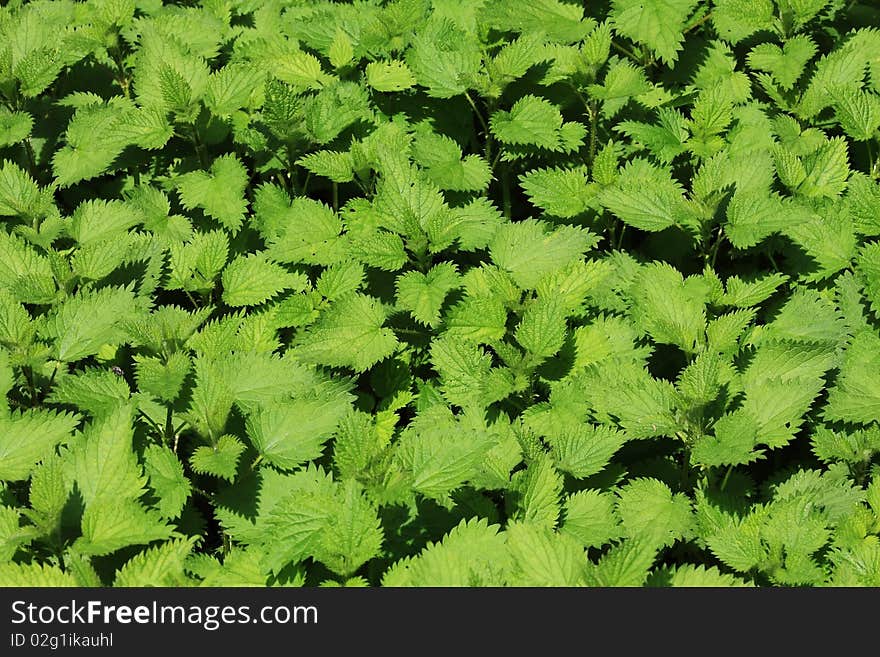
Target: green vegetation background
448,292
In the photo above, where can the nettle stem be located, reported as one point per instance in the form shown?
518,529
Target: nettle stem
626,51
594,124
712,255
487,135
506,202
697,23
31,158
51,381
169,426
32,389
199,146
726,477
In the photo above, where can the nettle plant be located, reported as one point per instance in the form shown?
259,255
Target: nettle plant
448,292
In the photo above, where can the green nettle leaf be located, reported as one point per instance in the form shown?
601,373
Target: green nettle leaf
219,192
389,76
586,450
473,553
441,463
12,535
109,525
290,433
733,443
14,127
423,294
442,160
19,194
29,436
162,565
753,216
538,488
477,319
231,88
354,535
665,307
561,21
444,58
534,121
162,380
49,493
869,265
338,167
93,143
826,170
855,396
26,273
591,517
695,576
559,192
626,564
166,477
656,23
105,467
252,280
650,511
82,324
96,391
219,460
331,522
858,113
349,334
306,231
545,558
542,329
647,197
35,574
467,377
786,64
736,20
529,250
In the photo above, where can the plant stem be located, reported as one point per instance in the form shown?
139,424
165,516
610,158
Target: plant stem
122,78
626,51
413,332
191,299
685,470
713,253
51,381
169,425
201,152
32,389
150,421
594,120
697,24
31,158
484,125
726,477
335,196
505,192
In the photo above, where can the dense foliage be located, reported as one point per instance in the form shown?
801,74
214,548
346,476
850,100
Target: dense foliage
440,292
